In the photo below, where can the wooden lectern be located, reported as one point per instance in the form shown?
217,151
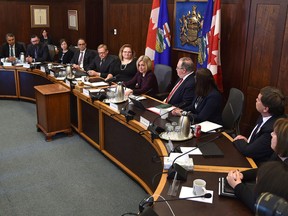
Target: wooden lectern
53,109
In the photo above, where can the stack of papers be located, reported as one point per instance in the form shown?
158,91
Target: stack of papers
183,161
207,126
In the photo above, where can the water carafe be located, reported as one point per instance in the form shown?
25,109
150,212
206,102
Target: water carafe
184,123
119,92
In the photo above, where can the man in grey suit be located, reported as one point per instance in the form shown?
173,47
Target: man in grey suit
101,63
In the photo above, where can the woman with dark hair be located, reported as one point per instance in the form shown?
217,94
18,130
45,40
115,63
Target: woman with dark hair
124,67
65,54
144,80
44,38
236,179
207,103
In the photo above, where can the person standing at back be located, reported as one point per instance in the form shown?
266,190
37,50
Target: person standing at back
270,103
11,49
182,94
83,57
101,63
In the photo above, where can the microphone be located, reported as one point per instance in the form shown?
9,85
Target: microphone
150,200
182,173
129,114
113,79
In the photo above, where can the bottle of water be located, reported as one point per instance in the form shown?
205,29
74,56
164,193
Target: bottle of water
22,57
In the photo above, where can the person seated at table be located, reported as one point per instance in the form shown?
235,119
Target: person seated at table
279,144
270,178
65,54
45,38
11,49
207,103
182,94
124,68
83,57
270,103
101,63
144,80
37,51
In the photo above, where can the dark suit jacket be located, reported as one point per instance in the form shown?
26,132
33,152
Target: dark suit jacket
260,148
184,95
18,49
42,52
66,58
88,58
105,66
208,109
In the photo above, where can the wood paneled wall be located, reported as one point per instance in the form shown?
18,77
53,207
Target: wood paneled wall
253,46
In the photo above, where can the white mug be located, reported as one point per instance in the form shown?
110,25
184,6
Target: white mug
199,187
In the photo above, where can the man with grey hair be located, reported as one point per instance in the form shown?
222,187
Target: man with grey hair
183,92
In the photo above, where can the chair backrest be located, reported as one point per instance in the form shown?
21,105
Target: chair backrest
23,44
52,51
163,75
232,111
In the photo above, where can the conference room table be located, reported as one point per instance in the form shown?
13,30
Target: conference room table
129,144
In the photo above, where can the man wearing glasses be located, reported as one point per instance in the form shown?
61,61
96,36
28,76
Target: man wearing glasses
101,63
83,57
37,51
183,92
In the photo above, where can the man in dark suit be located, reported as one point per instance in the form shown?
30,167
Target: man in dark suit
83,57
270,103
11,49
101,63
182,94
37,51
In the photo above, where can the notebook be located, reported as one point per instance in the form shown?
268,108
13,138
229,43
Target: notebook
210,149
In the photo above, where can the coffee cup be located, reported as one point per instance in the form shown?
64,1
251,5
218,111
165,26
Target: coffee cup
199,187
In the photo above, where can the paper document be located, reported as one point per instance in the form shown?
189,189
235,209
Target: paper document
96,84
188,192
157,110
194,152
208,126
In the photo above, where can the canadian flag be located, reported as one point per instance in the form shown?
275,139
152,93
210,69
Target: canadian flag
158,41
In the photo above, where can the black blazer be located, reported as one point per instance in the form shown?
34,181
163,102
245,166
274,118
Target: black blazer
105,66
88,58
184,95
66,58
208,109
42,52
18,49
260,148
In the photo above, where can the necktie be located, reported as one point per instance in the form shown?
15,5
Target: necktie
255,131
101,62
81,58
11,51
174,90
36,52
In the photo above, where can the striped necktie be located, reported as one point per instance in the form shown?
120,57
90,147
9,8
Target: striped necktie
174,90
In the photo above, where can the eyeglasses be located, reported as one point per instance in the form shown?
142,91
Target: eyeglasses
82,44
179,68
127,52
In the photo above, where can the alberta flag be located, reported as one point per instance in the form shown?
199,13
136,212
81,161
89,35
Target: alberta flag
158,43
209,49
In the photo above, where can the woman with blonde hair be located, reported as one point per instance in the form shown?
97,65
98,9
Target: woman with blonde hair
144,80
124,68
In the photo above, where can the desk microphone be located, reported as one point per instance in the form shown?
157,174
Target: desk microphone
181,172
112,79
150,200
129,114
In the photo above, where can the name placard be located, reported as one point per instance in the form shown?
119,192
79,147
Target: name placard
144,121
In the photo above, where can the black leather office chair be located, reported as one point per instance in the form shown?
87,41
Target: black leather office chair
52,51
232,112
163,75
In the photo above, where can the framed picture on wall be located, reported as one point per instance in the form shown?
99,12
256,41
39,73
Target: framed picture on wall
188,16
39,16
72,20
